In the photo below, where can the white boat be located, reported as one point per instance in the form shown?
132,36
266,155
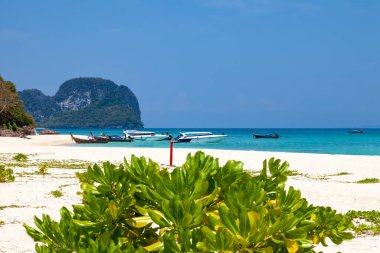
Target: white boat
199,137
146,136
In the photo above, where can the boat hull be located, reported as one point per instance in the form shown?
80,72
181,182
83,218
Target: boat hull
270,136
86,141
146,136
355,132
201,139
118,138
151,138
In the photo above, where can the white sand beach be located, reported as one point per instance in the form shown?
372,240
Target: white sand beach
319,182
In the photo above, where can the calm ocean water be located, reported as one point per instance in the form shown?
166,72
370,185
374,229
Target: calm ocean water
323,141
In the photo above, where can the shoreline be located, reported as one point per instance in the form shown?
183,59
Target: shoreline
222,149
324,179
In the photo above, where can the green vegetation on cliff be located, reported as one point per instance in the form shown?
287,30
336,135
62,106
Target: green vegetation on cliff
12,112
85,103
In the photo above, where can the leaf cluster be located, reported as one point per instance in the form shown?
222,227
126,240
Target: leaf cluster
6,175
20,157
198,207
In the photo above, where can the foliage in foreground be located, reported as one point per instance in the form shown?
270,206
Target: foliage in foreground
6,175
198,207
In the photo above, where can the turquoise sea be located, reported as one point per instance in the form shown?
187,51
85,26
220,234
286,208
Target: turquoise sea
323,141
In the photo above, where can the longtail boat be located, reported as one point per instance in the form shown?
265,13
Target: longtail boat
87,140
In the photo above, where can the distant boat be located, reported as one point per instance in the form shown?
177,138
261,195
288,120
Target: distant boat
99,137
267,136
355,131
146,136
199,137
119,138
114,138
88,139
45,131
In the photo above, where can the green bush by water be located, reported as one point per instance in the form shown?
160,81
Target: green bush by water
198,207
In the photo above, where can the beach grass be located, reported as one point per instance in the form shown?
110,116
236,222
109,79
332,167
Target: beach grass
11,206
6,175
20,157
56,193
368,181
344,173
42,170
365,222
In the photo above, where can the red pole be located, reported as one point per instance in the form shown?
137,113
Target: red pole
171,152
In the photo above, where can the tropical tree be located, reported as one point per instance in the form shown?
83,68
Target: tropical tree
8,96
11,107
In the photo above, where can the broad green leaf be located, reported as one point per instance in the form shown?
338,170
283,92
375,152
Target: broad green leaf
139,222
84,223
292,246
227,221
112,209
155,246
159,218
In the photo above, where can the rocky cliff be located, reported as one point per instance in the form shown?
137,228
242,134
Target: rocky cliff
85,103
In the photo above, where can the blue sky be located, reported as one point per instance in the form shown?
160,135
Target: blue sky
207,63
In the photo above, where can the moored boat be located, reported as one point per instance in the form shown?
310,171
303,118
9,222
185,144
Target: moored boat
265,136
146,136
114,138
199,137
119,138
355,131
88,139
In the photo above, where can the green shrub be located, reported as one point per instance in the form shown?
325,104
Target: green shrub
56,193
42,170
371,218
344,173
6,175
368,181
83,177
20,157
14,127
198,207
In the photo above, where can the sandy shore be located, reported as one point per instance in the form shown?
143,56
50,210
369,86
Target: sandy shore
319,182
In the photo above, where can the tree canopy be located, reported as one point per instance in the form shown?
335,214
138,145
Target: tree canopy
12,110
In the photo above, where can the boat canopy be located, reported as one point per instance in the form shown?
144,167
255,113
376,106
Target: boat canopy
136,132
196,133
